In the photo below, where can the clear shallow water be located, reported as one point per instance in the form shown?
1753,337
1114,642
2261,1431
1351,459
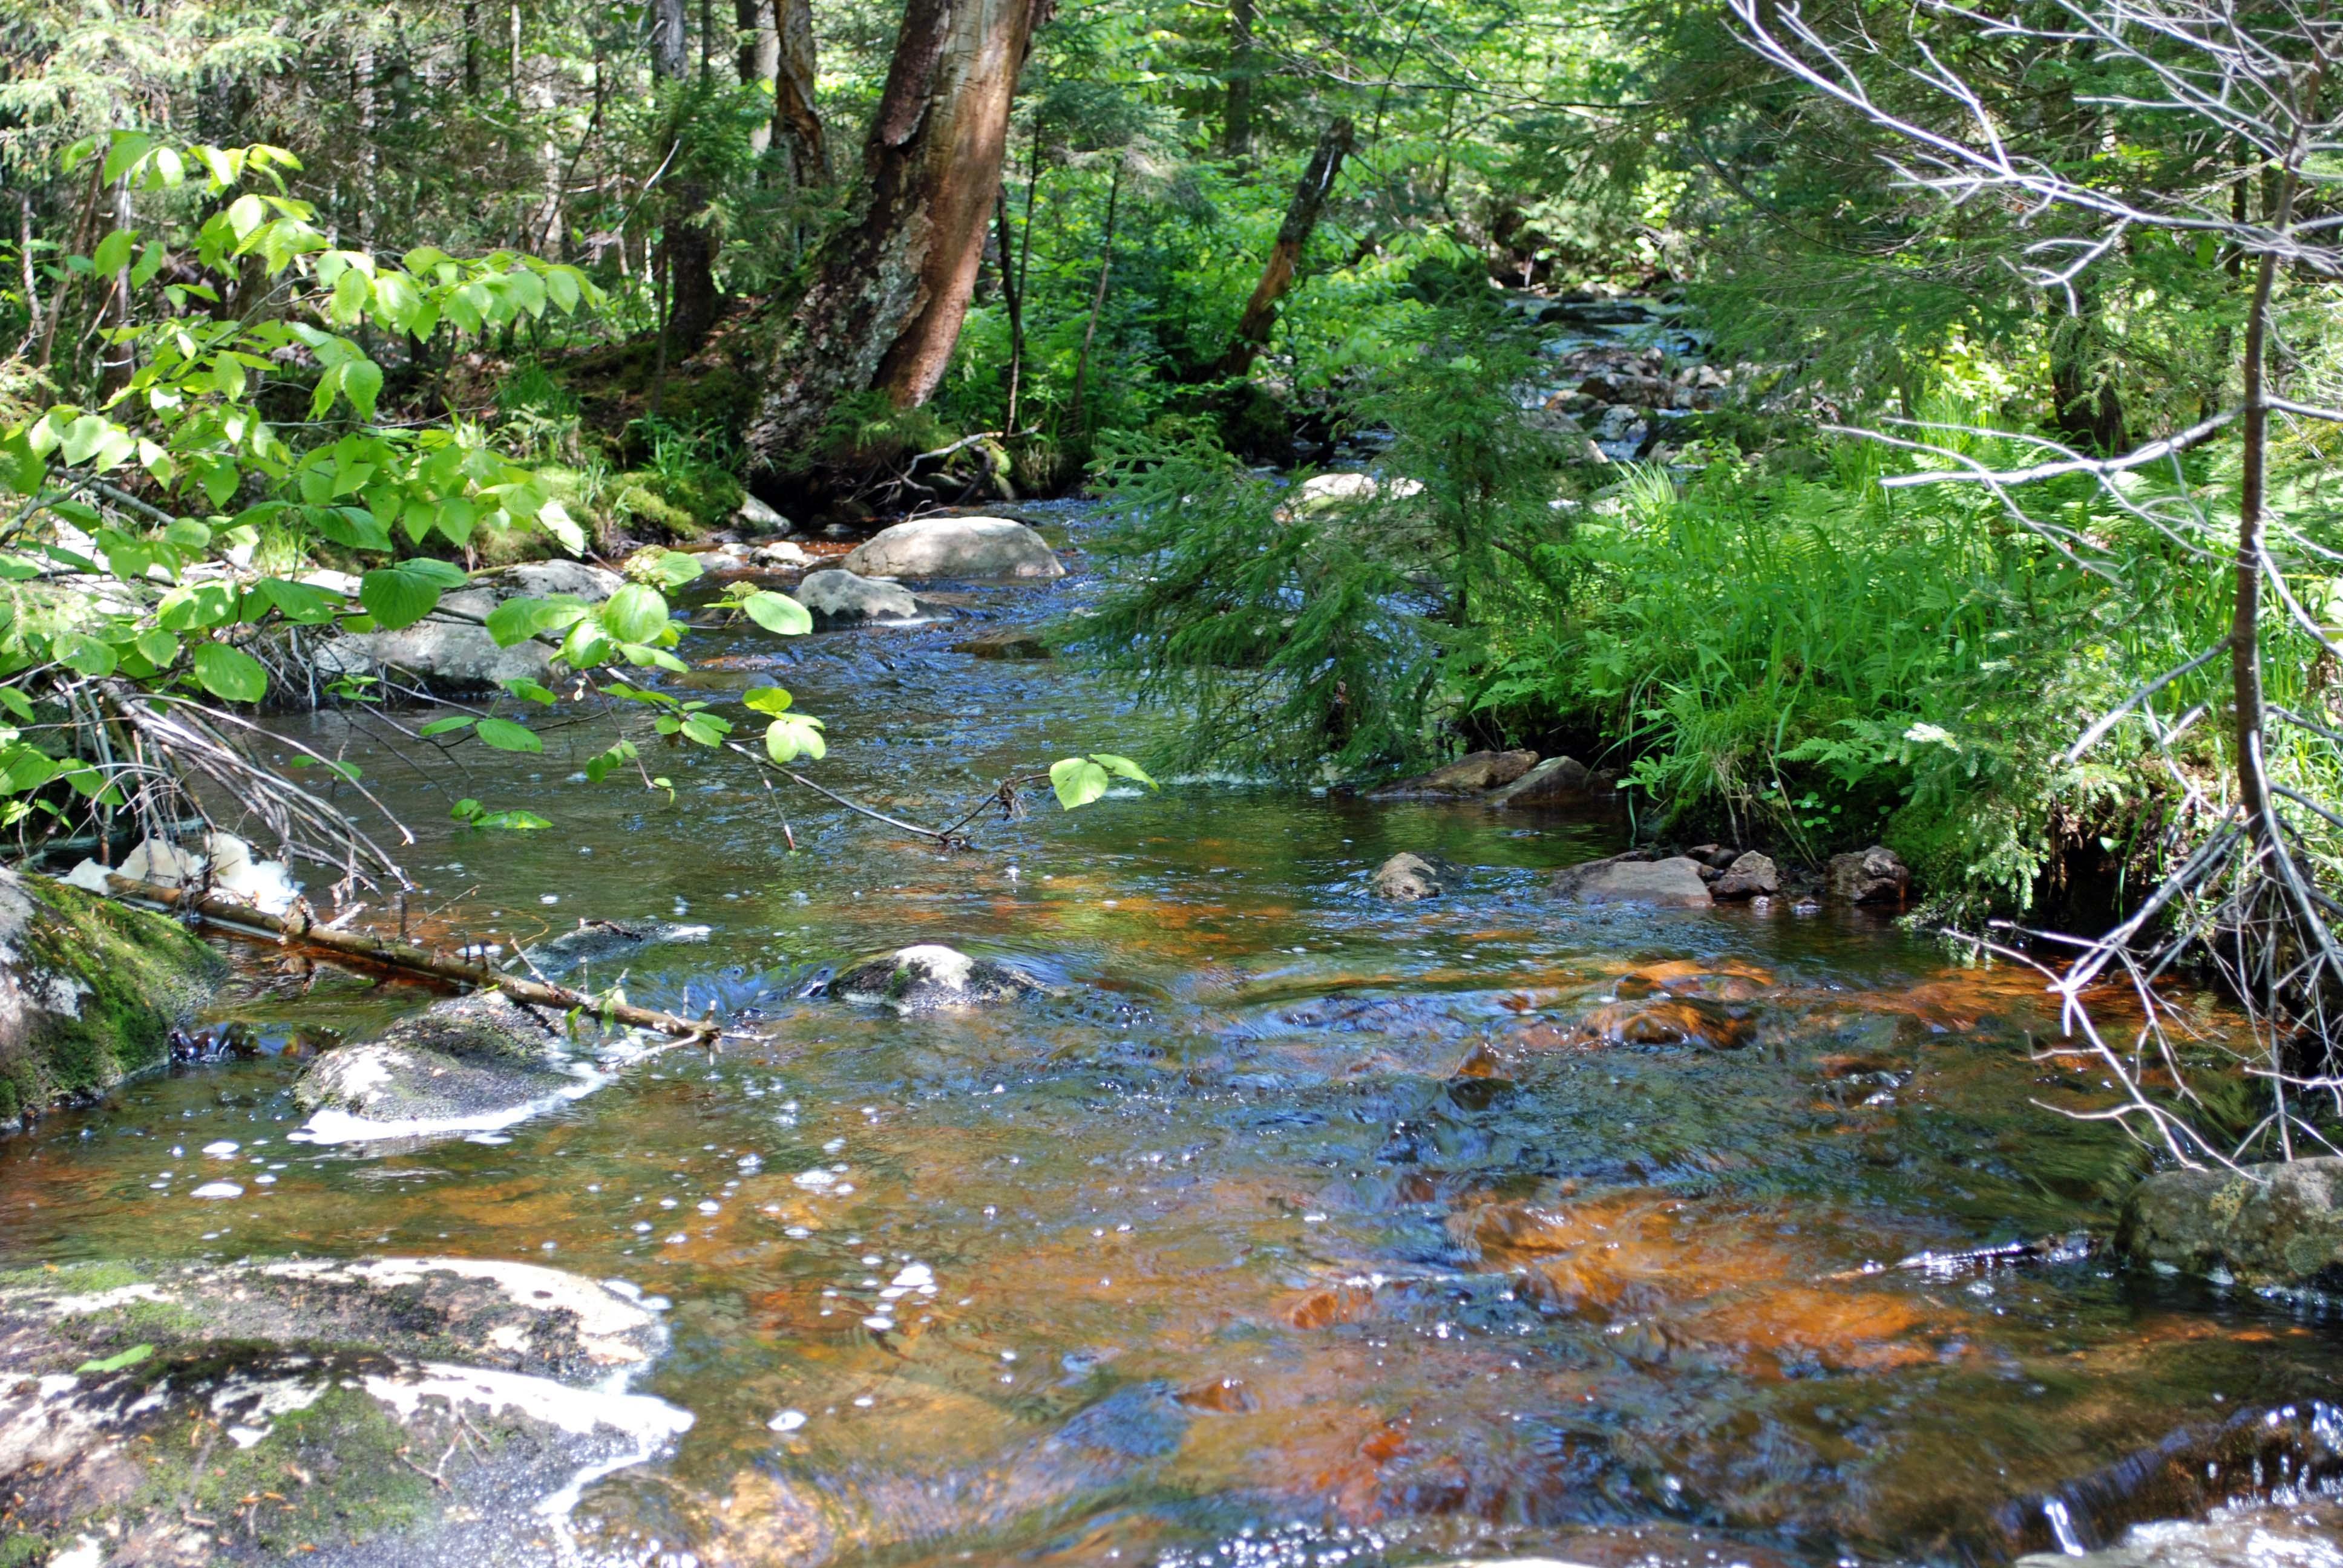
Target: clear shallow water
1298,1227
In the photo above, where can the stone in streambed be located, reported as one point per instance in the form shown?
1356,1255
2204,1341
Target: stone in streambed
955,547
1556,781
1407,877
1674,884
473,1063
1874,876
90,990
1749,876
841,598
605,942
544,579
1473,775
1011,643
2278,1225
929,976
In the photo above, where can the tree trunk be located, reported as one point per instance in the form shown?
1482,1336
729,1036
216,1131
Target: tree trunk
686,248
761,55
472,52
1097,304
796,123
1010,297
892,286
1236,129
1277,276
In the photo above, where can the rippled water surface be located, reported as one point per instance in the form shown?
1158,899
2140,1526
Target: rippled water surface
1294,1228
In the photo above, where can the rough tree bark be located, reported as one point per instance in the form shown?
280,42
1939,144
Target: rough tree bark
892,286
1277,275
688,251
796,123
760,54
1236,129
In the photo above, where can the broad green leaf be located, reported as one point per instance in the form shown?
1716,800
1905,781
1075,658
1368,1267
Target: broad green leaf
114,1364
361,380
634,614
229,674
244,214
794,733
1123,768
156,647
188,534
445,726
113,253
767,700
1078,781
516,822
83,654
398,597
555,519
504,735
517,620
529,690
778,613
298,602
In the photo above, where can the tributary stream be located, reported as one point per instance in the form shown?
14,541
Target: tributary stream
1295,1228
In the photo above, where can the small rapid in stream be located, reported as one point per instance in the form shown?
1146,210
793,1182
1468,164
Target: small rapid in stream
1293,1228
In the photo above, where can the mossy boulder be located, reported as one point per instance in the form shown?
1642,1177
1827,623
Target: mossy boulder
2262,1225
90,990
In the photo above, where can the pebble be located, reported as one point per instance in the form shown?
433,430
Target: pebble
788,1421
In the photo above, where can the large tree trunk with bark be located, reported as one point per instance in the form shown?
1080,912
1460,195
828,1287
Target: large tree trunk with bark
892,286
760,54
688,250
796,123
1277,273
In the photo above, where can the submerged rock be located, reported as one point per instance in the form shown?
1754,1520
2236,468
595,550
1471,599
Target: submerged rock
90,990
779,553
326,1390
918,979
1407,877
2278,1225
1471,775
840,597
605,942
955,547
1011,643
2304,1532
1874,876
1556,781
1672,884
471,1064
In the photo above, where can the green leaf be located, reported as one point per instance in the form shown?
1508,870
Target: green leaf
361,379
298,602
1078,781
767,700
634,614
113,253
16,702
504,735
130,1358
445,726
517,620
555,519
398,597
1123,768
188,534
529,690
156,647
83,654
779,614
228,673
793,733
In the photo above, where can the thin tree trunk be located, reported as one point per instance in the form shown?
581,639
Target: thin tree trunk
892,286
1098,303
472,51
797,123
706,43
1285,255
761,57
1236,128
687,249
512,50
1010,297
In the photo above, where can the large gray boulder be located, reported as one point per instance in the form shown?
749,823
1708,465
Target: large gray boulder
90,990
474,1063
1556,781
1474,774
543,579
841,598
1749,876
1874,876
2279,1224
1669,884
955,547
929,976
447,657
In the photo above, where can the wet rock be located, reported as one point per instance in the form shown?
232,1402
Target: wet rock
1556,781
90,990
325,1391
955,547
930,976
544,579
1668,1020
755,518
605,942
2278,1225
439,656
1725,979
1407,877
1472,775
1874,876
840,597
1326,492
1012,642
2304,1533
473,1063
1748,877
779,553
1669,884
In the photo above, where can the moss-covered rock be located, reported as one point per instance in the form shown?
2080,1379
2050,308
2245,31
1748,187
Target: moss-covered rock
90,990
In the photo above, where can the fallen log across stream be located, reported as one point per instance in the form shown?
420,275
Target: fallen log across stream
305,930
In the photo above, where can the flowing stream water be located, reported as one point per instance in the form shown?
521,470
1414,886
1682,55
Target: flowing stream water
1294,1228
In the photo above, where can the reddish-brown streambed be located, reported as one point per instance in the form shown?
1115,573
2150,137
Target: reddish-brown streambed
1298,1229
